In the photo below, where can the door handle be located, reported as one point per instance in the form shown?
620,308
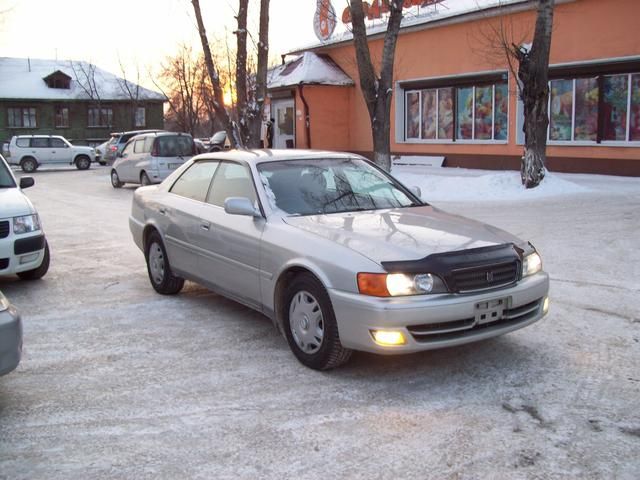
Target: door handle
162,210
205,225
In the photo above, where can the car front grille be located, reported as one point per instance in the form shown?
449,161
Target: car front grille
4,229
434,332
484,277
4,263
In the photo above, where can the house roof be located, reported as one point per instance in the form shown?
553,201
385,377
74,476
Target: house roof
22,78
308,69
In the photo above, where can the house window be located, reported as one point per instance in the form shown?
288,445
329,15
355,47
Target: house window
99,117
21,117
595,109
62,117
140,120
480,113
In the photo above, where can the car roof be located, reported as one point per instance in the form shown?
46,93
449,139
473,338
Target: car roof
133,132
273,155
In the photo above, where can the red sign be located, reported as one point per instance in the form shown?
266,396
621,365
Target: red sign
324,21
378,8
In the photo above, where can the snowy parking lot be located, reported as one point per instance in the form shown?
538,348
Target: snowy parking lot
119,382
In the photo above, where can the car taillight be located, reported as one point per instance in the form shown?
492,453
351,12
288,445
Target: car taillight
113,148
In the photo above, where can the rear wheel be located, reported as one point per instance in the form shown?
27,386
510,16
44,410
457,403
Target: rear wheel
162,279
83,162
39,272
310,325
144,179
115,179
28,165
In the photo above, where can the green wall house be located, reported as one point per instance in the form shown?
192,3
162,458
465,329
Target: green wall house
77,100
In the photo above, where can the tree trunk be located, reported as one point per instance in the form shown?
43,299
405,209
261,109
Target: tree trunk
241,69
255,124
533,73
377,91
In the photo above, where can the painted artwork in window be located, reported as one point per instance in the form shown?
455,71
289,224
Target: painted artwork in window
634,124
586,122
464,128
483,113
614,116
413,115
429,114
445,114
560,115
501,120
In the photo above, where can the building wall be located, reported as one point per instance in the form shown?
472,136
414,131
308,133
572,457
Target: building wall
329,109
78,132
584,30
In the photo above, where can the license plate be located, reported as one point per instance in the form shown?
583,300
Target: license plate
173,166
490,310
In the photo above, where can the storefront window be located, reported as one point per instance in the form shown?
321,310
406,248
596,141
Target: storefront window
483,113
561,108
429,114
586,122
501,119
464,127
413,115
634,127
445,113
615,107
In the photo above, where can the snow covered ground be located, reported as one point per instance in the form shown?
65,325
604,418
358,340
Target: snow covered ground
119,382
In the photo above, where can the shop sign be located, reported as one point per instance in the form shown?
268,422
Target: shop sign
324,20
378,8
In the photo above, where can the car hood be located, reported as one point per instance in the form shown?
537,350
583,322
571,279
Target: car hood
14,203
402,234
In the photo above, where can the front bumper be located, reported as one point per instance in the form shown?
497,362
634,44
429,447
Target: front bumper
437,321
10,340
21,253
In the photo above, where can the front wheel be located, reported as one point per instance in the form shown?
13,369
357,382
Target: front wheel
83,163
310,325
37,273
162,279
115,179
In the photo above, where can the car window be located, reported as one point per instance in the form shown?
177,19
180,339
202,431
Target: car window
175,146
128,149
39,142
138,146
6,181
231,180
57,143
22,142
148,144
194,182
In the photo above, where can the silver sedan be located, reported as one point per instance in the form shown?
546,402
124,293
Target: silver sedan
339,254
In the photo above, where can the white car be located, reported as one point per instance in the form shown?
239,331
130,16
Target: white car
23,246
32,151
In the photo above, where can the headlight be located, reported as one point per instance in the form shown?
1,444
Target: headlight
26,224
531,264
399,284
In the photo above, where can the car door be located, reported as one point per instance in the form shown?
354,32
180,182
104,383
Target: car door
138,160
231,243
40,150
124,165
60,151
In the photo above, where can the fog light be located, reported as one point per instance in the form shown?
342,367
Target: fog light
28,258
388,338
545,305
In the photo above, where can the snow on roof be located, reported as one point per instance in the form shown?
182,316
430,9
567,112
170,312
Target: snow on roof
22,78
308,68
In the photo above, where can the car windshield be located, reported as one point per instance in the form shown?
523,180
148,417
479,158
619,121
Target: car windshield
6,180
219,137
309,187
175,146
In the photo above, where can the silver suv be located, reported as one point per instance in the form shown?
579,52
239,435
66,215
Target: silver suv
32,151
151,157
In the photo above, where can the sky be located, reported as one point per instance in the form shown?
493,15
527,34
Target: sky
136,32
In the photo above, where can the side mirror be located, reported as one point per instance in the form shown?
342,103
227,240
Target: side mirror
241,206
416,191
26,182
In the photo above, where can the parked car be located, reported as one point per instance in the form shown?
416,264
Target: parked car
23,247
10,336
151,157
338,253
32,151
101,151
118,140
200,146
219,142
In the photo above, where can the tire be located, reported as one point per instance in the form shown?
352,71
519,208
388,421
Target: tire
115,179
160,275
37,273
28,164
310,325
82,162
144,179
102,164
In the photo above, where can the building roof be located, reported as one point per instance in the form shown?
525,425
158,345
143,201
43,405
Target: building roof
22,78
308,69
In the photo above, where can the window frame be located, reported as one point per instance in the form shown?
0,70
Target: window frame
22,111
102,114
144,117
55,116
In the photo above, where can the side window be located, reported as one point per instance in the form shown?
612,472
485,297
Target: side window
194,182
22,142
231,180
39,142
128,149
57,143
138,146
148,144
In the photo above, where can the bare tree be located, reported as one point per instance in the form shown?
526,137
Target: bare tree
250,99
130,91
377,88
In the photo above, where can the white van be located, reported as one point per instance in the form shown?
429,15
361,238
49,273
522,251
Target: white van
151,157
32,151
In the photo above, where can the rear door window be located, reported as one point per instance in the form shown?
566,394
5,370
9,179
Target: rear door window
39,142
194,182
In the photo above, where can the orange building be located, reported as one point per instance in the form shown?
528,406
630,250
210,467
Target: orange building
455,96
